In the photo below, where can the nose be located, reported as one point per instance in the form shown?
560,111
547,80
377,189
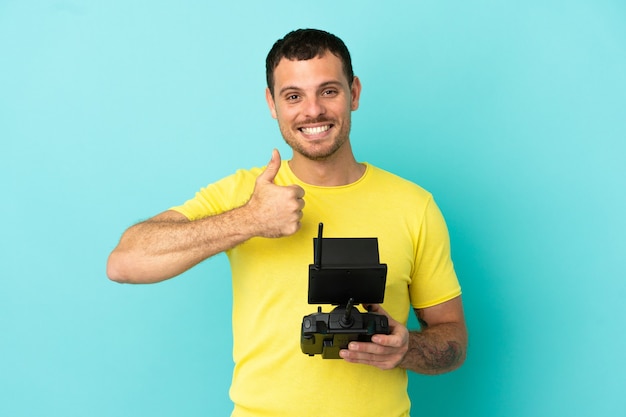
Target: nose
314,107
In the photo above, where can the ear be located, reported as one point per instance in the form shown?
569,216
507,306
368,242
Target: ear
270,102
355,93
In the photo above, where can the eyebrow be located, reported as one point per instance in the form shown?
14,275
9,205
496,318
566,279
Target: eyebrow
322,85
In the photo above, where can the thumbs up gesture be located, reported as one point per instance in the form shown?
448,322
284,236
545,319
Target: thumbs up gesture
276,209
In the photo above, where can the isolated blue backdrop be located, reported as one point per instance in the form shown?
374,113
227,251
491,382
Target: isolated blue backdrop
511,113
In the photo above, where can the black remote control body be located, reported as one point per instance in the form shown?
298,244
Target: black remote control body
328,333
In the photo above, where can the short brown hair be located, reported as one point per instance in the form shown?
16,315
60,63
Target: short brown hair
305,44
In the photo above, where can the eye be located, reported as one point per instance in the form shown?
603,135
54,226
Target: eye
330,92
292,97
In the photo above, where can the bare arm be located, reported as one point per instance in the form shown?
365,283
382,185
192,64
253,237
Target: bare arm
169,244
439,347
441,344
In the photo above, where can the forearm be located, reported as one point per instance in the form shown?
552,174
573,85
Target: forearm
169,244
166,246
435,350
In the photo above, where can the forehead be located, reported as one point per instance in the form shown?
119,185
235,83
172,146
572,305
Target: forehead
309,73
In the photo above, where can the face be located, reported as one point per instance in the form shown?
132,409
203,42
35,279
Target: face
313,103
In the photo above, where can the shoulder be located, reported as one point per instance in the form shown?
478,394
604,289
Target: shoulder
386,180
237,181
227,193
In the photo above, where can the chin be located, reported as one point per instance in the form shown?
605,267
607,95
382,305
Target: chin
316,153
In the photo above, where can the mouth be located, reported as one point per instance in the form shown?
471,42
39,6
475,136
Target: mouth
316,130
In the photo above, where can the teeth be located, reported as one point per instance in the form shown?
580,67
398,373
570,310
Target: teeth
315,130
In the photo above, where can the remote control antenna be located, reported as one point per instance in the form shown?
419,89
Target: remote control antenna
318,247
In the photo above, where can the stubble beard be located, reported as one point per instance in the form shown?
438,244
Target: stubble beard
316,152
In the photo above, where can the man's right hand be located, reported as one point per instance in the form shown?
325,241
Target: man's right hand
276,209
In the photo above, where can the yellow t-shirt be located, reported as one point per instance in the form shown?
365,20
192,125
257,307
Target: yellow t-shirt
272,377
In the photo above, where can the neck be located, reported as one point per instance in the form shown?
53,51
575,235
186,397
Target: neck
338,169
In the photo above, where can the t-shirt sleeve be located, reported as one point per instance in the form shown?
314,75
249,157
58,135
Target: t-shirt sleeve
221,196
434,279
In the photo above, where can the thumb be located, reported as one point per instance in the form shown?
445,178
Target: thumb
272,167
377,308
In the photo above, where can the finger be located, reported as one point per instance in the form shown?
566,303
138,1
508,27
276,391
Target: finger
377,308
272,167
398,330
379,361
298,191
388,340
369,348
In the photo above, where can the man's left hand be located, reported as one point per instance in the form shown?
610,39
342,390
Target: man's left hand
384,351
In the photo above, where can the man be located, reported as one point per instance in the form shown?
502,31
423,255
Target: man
260,219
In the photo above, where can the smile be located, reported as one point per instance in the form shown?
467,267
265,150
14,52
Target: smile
314,130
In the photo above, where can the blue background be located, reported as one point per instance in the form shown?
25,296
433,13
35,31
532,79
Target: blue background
511,113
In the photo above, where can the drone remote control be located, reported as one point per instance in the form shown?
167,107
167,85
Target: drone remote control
352,275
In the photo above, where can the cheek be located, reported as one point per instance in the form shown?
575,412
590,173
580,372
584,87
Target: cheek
284,116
